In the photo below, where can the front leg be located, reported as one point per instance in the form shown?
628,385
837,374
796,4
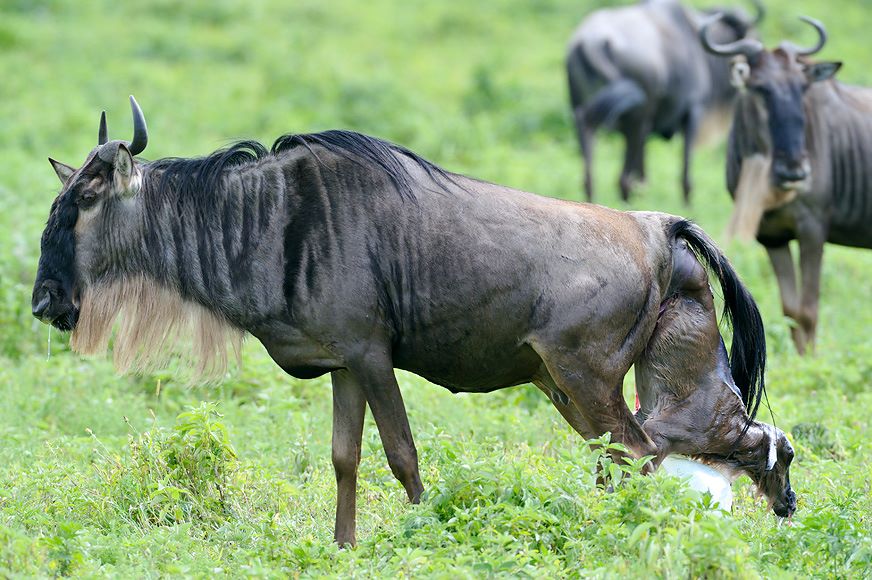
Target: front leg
811,253
349,406
785,274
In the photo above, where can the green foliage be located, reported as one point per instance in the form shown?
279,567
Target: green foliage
174,477
179,490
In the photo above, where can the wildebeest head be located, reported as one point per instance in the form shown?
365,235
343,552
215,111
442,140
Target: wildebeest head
109,177
776,80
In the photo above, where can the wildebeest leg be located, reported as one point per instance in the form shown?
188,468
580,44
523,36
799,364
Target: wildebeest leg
811,253
349,406
585,140
600,400
691,128
635,129
566,408
386,403
785,273
571,414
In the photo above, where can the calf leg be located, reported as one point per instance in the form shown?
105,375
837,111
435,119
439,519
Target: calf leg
349,405
782,263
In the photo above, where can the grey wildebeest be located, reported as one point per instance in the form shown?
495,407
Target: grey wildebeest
799,164
640,69
346,254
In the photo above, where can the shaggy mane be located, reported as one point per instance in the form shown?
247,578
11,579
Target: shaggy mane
202,175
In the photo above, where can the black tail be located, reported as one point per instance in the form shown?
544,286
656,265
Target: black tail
748,351
612,101
586,67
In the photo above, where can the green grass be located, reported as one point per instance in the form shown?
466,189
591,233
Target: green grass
106,476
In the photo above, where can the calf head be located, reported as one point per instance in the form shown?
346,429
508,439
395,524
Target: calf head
764,454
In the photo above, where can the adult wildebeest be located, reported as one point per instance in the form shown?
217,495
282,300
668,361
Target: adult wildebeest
799,164
640,69
345,254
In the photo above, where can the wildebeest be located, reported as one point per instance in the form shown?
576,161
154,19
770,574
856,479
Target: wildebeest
640,69
346,254
799,164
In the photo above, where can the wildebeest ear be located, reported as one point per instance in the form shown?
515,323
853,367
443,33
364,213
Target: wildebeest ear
821,71
124,171
63,170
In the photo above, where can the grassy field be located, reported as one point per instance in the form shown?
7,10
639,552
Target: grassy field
106,476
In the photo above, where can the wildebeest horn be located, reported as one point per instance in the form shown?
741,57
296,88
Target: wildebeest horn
747,46
761,12
822,38
140,131
103,135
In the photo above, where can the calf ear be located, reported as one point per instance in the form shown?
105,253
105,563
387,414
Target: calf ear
125,179
821,71
63,170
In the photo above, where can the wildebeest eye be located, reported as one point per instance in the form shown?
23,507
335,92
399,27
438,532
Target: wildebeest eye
86,197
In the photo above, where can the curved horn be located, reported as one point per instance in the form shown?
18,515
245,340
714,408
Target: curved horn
140,131
103,135
822,38
761,12
747,46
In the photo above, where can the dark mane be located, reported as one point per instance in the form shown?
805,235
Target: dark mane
181,176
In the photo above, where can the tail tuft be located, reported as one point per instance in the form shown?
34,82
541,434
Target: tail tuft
612,101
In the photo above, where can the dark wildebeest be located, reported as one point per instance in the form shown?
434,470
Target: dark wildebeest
345,254
641,70
799,164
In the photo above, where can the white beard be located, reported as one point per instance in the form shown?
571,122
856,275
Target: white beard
151,321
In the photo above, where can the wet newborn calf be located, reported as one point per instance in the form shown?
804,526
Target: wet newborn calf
690,403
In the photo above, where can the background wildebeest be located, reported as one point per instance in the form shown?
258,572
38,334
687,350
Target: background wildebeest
799,164
641,70
345,254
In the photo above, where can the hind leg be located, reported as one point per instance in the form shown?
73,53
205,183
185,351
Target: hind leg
691,128
597,396
566,408
635,130
585,136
